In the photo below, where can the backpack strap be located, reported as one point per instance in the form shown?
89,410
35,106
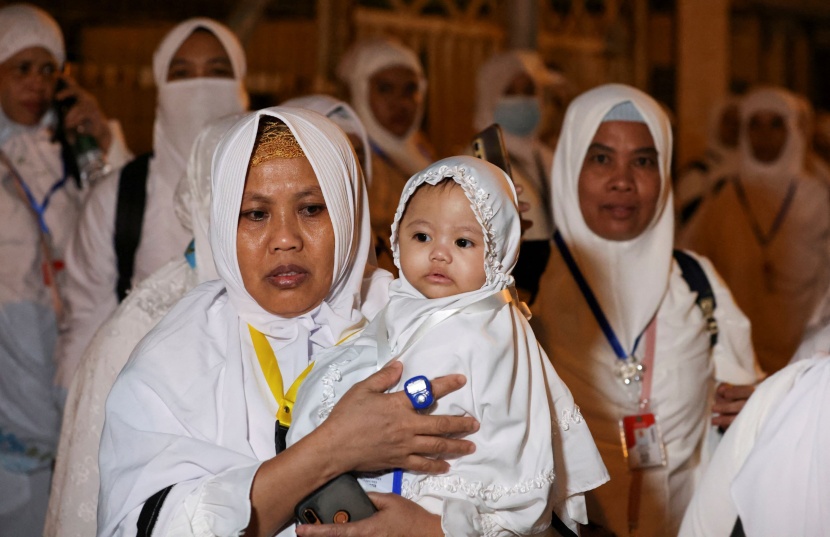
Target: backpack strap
129,217
698,282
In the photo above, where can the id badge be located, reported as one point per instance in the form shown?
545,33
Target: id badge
382,482
642,442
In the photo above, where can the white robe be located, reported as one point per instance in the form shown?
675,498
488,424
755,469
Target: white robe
712,511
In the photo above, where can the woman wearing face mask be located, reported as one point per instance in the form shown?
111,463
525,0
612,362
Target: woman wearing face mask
509,93
290,237
619,319
199,70
767,229
39,206
387,89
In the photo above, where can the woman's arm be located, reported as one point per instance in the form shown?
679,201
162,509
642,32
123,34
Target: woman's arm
367,430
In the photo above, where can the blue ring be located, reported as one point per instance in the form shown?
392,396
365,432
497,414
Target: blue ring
419,391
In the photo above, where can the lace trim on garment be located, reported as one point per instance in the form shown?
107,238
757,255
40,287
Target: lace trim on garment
569,417
332,375
478,197
474,489
157,297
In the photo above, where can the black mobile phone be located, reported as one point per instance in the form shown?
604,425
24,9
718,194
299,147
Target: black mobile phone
489,145
339,501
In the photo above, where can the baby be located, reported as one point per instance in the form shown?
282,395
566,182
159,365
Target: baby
454,309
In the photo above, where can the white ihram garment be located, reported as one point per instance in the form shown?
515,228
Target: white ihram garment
634,281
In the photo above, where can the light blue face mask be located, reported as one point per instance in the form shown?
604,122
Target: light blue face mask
518,114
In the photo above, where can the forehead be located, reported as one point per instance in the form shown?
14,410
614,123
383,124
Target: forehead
201,43
282,175
395,74
32,54
445,202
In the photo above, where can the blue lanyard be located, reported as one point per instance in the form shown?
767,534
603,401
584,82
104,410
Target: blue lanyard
40,208
592,300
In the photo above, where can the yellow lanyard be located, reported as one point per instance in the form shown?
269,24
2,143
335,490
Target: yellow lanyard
271,370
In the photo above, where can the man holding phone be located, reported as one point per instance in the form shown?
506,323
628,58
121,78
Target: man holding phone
39,205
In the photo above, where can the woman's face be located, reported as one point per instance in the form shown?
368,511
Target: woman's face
522,84
285,239
767,132
394,98
200,55
620,181
27,84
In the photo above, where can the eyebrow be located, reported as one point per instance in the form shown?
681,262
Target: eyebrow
602,147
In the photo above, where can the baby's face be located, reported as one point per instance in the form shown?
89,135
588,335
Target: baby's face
441,243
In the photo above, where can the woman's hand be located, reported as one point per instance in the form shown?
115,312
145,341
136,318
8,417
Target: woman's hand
85,116
396,516
729,400
369,430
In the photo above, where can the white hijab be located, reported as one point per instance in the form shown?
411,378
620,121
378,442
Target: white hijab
193,424
356,68
333,159
629,278
345,117
24,26
493,201
791,161
783,488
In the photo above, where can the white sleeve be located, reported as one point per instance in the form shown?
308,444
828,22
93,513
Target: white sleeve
91,278
220,506
119,154
733,355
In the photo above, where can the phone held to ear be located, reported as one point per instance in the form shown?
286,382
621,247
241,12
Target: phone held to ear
339,501
489,145
90,165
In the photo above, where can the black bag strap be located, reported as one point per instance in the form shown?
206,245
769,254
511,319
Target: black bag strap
150,513
738,529
129,217
698,282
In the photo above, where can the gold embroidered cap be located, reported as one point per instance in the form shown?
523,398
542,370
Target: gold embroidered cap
275,140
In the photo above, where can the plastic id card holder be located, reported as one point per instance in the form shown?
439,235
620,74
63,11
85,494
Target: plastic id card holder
642,442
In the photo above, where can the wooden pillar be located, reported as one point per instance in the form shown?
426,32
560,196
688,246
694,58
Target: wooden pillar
522,21
702,70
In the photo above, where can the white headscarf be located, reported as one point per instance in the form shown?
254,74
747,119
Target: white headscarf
356,68
345,118
783,488
493,201
790,162
24,26
332,158
629,278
